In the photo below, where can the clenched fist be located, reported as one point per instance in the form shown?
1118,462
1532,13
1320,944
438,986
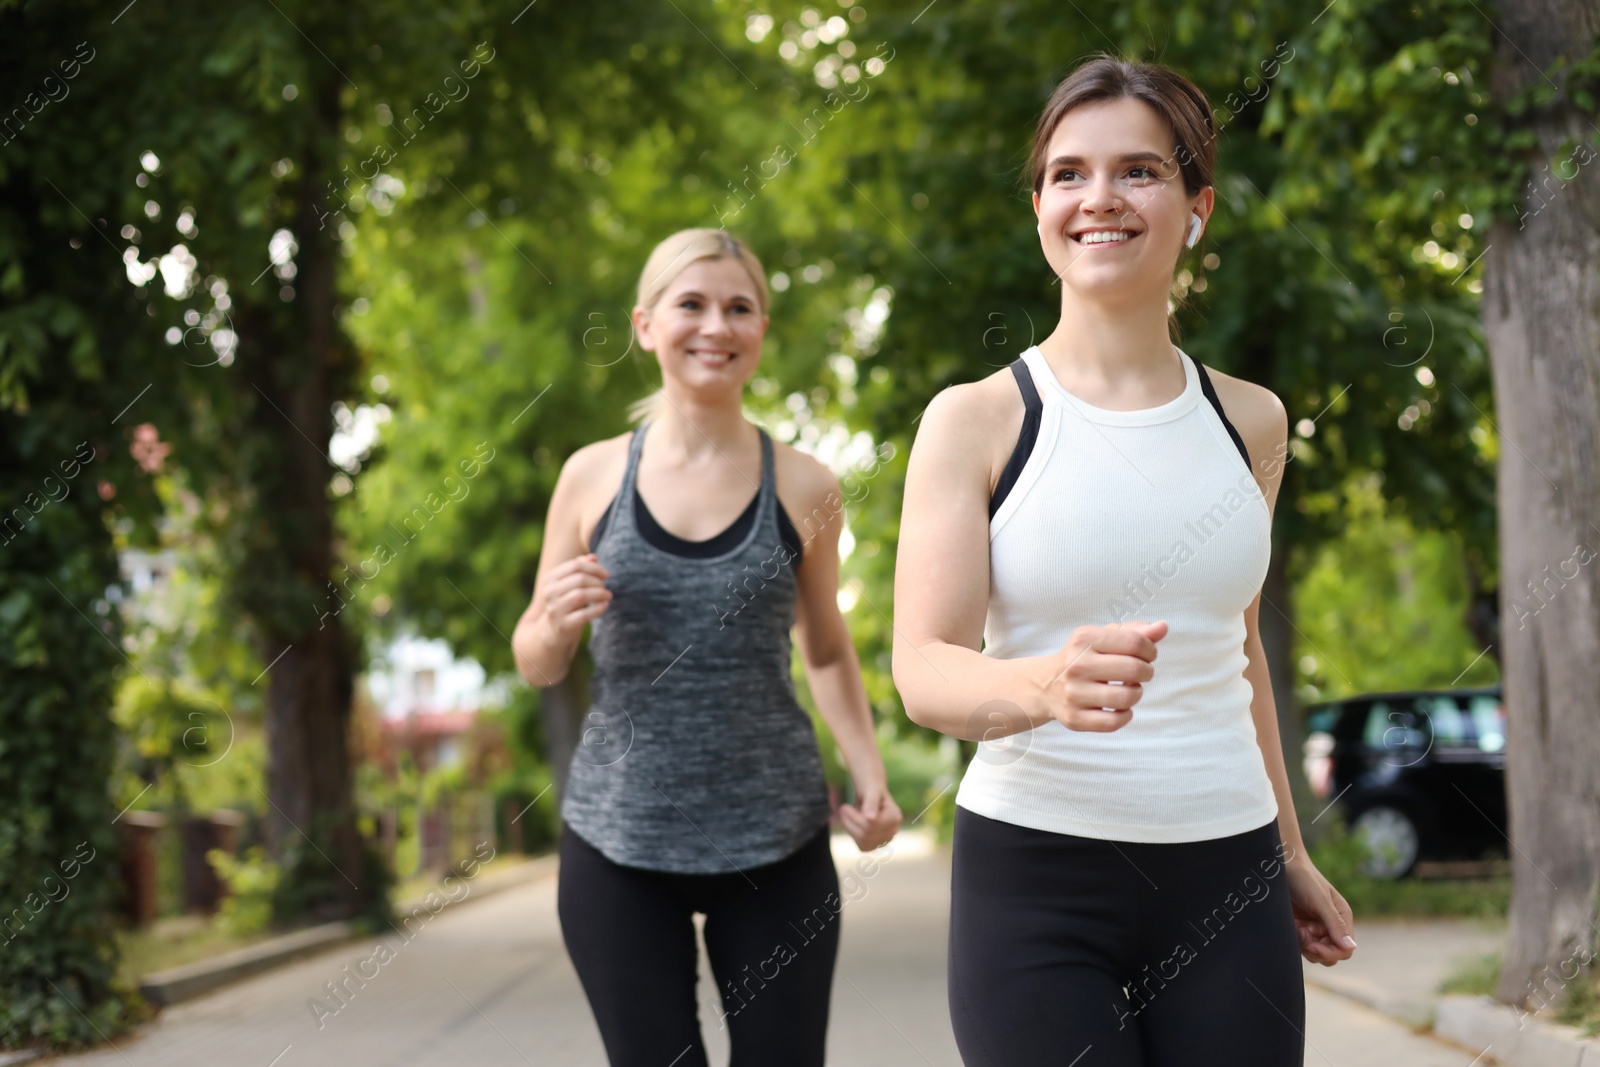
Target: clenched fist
1101,674
573,595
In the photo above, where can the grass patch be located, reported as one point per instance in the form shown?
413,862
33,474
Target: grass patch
1582,1006
1475,975
175,942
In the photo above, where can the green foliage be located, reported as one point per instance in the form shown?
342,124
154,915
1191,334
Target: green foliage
58,847
526,812
58,844
1338,856
441,783
1576,999
67,475
187,709
917,772
1380,586
940,815
252,880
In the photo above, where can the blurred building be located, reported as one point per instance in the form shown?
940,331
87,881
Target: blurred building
428,699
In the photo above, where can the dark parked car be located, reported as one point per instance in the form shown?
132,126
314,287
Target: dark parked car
1419,774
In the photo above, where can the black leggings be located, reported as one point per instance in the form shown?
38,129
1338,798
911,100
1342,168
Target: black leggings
1074,950
772,934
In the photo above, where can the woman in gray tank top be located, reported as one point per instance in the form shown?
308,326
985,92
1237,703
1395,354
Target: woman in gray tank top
697,785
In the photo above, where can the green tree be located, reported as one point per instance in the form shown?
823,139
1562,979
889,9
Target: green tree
69,399
263,134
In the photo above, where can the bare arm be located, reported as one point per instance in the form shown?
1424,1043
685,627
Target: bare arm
941,588
833,670
941,597
569,589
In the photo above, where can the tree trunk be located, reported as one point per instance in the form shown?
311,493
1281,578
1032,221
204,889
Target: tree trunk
289,357
1541,307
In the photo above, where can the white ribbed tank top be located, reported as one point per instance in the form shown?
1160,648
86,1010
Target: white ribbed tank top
1120,516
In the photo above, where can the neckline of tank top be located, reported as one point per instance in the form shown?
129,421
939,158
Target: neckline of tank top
744,542
1172,409
733,533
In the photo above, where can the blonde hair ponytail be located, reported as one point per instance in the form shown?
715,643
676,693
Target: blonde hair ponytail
646,408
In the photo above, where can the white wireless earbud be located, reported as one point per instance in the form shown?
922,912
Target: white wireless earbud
1194,230
1040,228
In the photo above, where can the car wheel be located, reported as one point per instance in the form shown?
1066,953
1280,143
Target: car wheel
1391,839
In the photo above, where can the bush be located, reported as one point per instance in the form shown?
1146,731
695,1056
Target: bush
916,771
59,642
251,882
537,828
941,804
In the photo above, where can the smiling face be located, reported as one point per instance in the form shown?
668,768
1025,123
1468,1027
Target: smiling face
1112,208
707,327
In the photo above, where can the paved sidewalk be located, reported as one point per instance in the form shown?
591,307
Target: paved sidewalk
1405,960
1400,963
488,984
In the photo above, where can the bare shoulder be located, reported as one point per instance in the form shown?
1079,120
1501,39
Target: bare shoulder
804,482
974,425
1256,412
590,477
592,462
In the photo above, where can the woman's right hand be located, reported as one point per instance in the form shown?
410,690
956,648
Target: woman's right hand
1081,695
574,595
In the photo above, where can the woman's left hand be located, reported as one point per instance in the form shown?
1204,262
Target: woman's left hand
873,819
1321,916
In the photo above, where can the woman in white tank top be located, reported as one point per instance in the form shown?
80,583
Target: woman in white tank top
1077,587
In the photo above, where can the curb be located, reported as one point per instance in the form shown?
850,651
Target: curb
1474,1022
178,984
27,1055
1481,1022
1415,1013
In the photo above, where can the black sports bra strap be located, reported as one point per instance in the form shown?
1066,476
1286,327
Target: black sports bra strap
1033,413
1211,394
1030,395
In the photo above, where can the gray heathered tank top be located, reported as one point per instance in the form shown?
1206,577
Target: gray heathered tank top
695,756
